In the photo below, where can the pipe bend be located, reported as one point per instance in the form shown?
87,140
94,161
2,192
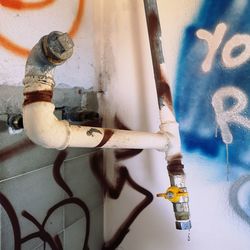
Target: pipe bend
43,128
40,123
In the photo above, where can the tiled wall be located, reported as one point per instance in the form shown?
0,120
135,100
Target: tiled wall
28,182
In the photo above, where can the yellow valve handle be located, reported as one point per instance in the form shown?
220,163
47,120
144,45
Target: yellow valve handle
173,194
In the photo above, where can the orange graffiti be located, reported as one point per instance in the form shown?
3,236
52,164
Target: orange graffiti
16,4
14,48
19,4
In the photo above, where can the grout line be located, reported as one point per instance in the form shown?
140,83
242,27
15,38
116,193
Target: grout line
85,154
48,166
72,224
20,175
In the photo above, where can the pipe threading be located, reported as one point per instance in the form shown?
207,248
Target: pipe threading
38,79
175,167
38,96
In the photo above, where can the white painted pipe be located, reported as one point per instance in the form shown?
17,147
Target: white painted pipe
44,129
42,126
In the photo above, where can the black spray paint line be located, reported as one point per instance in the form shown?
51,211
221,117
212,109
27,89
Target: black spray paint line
107,135
57,174
42,234
54,242
114,192
7,206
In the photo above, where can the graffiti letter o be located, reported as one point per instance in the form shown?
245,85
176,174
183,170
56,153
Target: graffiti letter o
236,41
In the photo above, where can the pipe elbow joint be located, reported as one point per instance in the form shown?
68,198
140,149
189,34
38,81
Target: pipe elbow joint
51,50
171,130
43,128
40,123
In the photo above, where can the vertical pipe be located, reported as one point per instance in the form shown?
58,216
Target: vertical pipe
167,118
162,86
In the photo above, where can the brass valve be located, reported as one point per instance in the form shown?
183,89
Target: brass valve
174,194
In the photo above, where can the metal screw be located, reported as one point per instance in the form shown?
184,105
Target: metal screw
170,195
58,47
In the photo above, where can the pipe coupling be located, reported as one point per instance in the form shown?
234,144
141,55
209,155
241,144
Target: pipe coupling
58,47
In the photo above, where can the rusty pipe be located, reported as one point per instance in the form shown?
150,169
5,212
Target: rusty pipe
40,123
167,118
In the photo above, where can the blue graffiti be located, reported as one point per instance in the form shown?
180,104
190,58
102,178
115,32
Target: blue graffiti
195,87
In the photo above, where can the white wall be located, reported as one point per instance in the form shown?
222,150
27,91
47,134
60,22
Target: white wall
130,93
24,27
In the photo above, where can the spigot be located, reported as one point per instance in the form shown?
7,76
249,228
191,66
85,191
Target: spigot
175,194
178,195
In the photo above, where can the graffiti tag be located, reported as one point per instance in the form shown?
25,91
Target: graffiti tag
233,114
214,41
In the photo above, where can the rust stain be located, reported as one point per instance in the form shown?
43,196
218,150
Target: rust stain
154,24
38,96
164,92
93,130
175,166
162,85
20,5
107,135
15,4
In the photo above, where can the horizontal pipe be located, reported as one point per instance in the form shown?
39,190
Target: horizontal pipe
42,126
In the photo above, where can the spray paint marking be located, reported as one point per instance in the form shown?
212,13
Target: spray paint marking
93,130
232,114
234,199
53,241
214,41
114,191
162,85
24,52
108,133
21,5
